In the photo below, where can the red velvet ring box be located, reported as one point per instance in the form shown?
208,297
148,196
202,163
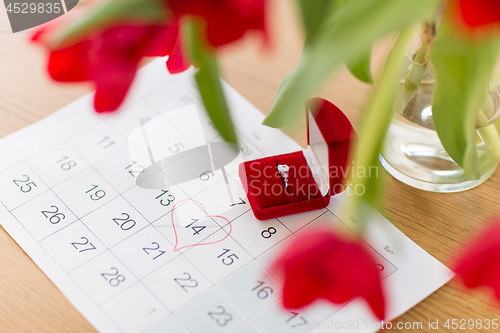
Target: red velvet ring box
315,173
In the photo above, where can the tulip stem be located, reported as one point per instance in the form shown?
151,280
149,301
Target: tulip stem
412,80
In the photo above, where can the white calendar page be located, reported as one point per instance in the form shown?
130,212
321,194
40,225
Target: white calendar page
69,198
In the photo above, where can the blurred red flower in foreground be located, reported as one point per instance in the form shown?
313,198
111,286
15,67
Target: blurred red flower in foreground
226,20
480,266
476,13
321,265
110,58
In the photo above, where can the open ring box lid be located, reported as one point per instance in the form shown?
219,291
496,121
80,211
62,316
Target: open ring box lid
315,174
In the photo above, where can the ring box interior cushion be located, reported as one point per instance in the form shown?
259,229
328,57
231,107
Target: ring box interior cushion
314,174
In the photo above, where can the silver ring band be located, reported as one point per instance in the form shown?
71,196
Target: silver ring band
283,170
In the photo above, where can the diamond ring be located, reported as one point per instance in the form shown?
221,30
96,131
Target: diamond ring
283,171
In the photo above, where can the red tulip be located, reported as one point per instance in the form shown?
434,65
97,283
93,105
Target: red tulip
480,266
478,13
226,20
110,58
321,265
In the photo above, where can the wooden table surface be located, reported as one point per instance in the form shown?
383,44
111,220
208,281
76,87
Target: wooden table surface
439,223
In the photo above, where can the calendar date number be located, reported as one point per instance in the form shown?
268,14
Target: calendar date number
114,278
268,232
165,198
125,222
262,290
296,320
196,228
228,258
134,170
66,164
25,184
84,245
155,250
53,215
105,143
186,282
95,193
220,316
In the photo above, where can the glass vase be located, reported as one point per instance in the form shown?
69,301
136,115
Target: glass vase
413,153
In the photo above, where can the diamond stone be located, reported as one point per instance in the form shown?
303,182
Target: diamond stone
283,168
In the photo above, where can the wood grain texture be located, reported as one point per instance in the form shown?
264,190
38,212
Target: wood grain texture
439,223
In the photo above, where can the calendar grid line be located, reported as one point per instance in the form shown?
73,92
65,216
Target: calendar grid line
140,280
151,223
87,168
269,272
149,94
105,118
135,264
146,101
364,241
284,225
55,261
273,246
183,254
254,260
305,225
108,249
247,317
97,121
244,136
50,187
78,219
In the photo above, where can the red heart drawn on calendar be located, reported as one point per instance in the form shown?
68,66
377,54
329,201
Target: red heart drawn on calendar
197,226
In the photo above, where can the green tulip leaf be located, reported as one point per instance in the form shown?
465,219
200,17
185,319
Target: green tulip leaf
346,32
462,68
209,83
313,15
377,117
359,66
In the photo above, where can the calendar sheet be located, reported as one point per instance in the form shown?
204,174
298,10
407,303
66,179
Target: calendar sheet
121,255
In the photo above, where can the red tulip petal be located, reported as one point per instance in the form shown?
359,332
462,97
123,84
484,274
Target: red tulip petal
226,20
119,50
476,13
117,54
113,77
495,278
69,64
320,265
110,58
177,62
111,92
37,35
163,41
481,263
295,295
220,32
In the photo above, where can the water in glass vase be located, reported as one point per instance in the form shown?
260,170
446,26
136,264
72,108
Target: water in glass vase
413,153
